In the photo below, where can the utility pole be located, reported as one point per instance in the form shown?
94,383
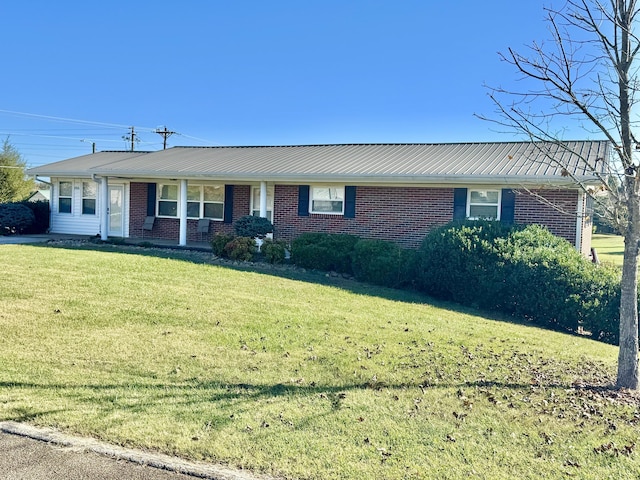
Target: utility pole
165,134
131,136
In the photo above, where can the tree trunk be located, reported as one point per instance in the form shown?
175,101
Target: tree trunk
628,353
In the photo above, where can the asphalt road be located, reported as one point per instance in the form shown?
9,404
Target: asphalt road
22,458
31,453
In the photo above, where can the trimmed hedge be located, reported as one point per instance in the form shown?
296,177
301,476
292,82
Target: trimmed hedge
324,251
384,263
524,271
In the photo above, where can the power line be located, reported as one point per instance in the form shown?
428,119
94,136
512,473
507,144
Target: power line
72,120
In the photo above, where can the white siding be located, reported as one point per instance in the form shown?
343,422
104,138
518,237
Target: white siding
75,222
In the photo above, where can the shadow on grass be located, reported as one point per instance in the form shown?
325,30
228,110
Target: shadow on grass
291,272
229,400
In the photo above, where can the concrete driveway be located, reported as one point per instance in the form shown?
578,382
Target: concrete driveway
18,239
30,453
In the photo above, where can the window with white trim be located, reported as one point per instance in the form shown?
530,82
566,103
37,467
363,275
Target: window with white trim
65,195
327,200
89,193
255,202
167,200
483,204
205,201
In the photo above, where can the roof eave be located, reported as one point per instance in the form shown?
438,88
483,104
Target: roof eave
360,179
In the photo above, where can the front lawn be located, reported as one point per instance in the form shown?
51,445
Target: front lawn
300,379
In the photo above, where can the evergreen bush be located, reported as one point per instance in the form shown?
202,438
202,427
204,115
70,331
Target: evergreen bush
15,218
274,251
41,214
219,241
324,251
252,226
383,263
241,248
524,271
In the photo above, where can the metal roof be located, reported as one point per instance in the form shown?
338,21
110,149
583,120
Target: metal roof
522,162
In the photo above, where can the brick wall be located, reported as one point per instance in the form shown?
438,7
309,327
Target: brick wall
530,210
400,214
169,228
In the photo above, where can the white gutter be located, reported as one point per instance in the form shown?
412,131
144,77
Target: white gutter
42,181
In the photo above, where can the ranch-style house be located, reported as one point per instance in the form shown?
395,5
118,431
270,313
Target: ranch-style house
393,192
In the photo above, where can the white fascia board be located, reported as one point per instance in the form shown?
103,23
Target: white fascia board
355,179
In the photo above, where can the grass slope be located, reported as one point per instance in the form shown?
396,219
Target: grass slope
298,379
610,248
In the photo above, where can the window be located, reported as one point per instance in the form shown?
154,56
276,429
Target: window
168,201
483,204
255,202
205,201
327,200
89,191
65,194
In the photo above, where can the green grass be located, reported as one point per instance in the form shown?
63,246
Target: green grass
300,379
610,248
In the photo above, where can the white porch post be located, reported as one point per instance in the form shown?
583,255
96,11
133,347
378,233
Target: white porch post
182,209
104,209
263,199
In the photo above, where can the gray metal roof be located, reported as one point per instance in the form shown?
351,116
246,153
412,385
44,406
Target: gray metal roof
521,162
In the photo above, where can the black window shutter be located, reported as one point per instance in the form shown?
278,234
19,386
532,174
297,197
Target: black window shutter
228,204
350,202
459,203
508,206
151,199
303,200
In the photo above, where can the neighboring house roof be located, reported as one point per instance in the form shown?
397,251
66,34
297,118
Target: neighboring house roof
508,162
40,196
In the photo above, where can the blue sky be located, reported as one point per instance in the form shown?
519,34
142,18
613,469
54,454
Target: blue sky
254,72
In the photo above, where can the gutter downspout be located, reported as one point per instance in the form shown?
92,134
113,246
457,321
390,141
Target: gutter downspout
579,221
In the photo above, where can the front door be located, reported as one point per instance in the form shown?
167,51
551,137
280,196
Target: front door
116,211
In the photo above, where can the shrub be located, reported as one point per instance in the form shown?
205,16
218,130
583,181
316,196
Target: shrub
15,218
241,248
324,251
457,255
40,211
252,226
274,251
383,263
523,271
219,241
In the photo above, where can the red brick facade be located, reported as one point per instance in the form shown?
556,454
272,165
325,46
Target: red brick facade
169,228
400,214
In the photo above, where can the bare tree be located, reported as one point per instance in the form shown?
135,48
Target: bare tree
588,72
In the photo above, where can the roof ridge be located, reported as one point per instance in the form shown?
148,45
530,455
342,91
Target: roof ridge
513,142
